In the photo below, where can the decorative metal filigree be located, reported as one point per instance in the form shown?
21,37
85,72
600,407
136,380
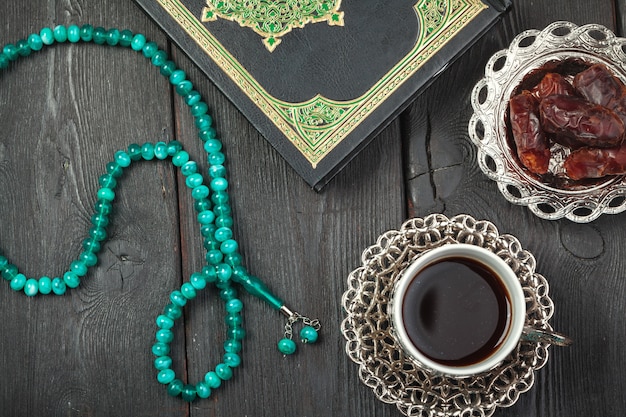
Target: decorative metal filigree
487,129
274,18
393,376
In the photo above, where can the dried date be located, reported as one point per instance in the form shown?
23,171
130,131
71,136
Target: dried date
599,86
532,146
553,83
595,162
580,120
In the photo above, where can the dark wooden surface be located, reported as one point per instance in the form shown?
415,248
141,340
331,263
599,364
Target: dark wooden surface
65,111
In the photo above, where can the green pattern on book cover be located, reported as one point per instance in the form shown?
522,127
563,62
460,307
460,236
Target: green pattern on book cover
316,126
273,19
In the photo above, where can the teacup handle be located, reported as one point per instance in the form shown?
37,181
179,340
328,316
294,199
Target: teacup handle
530,334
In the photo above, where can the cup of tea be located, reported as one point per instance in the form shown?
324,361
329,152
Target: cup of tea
460,310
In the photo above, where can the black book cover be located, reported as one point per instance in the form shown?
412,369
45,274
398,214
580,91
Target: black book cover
320,78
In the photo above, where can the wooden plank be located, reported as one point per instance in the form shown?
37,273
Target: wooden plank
64,113
583,263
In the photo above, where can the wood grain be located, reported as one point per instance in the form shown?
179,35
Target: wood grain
64,112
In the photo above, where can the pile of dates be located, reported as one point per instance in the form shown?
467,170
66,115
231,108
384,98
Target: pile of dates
585,112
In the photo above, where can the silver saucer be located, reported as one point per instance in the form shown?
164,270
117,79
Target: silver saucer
394,377
580,202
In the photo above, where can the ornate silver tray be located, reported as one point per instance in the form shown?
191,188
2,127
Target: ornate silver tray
394,377
530,50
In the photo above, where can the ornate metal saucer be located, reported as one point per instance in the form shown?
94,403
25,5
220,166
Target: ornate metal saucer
394,377
580,202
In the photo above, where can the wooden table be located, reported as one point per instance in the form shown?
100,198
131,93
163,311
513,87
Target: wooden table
65,112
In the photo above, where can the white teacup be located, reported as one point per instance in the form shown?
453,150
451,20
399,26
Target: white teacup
460,310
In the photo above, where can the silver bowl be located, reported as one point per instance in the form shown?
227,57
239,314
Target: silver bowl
549,197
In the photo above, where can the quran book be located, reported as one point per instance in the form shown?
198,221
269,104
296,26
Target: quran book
320,78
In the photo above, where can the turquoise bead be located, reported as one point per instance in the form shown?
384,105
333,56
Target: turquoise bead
18,282
107,180
126,37
203,121
10,51
217,171
232,259
212,380
228,293
164,322
163,362
202,204
88,258
189,168
224,221
47,36
86,33
199,109
222,210
160,349
203,390
9,272
184,87
98,233
149,49
23,49
73,34
308,334
214,257
99,220
106,194
286,346
234,306
223,233
193,180
232,346
3,262
134,151
216,158
167,68
114,169
45,285
175,388
180,158
35,42
209,274
58,286
232,360
60,33
166,376
103,207
192,96
113,37
188,291
99,35
220,197
122,159
31,287
212,146
176,297
200,192
188,393
233,320
164,336
207,134
208,230
177,77
79,268
4,61
147,151
138,42
229,246
224,372
197,281
71,279
159,58
206,217
174,147
237,333
173,311
160,150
